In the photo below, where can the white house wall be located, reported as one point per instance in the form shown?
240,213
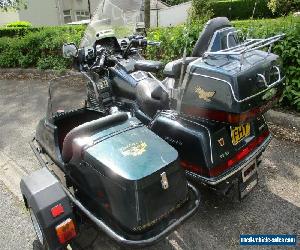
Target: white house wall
174,15
41,13
8,17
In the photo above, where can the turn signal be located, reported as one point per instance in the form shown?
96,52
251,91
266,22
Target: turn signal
65,231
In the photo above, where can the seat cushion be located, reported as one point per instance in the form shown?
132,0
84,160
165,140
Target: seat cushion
148,66
87,129
173,69
151,97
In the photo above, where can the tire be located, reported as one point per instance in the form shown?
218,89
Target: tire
38,231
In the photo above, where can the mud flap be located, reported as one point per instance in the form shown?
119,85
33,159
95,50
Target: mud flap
41,192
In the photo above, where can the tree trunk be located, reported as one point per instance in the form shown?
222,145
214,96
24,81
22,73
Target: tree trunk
147,13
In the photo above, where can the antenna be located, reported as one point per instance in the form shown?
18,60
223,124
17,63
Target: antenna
179,95
253,12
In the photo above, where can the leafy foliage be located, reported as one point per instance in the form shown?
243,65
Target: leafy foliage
283,7
20,24
12,4
242,9
201,9
40,48
174,2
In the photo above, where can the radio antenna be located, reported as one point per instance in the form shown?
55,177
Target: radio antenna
253,12
180,86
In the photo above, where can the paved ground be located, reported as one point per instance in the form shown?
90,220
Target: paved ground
273,207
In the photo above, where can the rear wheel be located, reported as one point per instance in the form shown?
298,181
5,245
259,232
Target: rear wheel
38,230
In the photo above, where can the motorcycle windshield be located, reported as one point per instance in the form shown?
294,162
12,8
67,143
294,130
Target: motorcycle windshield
66,93
113,18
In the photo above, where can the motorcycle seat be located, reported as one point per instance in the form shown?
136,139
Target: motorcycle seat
151,97
148,66
88,129
173,69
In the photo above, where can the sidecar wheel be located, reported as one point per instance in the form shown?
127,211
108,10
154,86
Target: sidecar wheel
38,230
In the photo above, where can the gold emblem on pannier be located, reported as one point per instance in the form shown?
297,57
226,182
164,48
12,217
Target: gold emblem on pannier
205,95
134,149
164,180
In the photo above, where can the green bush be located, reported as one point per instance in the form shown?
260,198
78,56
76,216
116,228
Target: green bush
242,9
40,48
20,24
283,7
173,42
16,31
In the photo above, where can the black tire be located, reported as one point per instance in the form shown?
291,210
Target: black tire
43,245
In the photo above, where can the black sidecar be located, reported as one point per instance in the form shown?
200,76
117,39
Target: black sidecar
110,169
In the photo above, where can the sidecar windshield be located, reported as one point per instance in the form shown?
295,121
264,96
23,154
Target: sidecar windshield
66,93
113,18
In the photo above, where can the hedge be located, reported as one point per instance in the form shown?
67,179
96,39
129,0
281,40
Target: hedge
242,9
41,47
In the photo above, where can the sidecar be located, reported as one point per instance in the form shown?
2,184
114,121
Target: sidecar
106,168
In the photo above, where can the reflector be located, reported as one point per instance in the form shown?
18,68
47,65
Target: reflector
57,210
65,231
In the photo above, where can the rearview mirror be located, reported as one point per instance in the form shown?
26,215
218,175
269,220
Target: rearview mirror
70,50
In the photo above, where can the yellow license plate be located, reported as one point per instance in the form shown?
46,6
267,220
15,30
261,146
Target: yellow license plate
239,133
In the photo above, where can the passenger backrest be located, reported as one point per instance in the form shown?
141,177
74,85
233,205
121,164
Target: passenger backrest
207,34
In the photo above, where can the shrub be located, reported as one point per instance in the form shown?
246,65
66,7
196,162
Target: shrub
242,9
201,9
20,24
40,48
283,7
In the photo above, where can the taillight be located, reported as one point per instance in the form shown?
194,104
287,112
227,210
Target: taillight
57,210
65,231
240,155
227,117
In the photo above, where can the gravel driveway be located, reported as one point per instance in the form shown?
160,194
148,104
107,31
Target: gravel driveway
273,207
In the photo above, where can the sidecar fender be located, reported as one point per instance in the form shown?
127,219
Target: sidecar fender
42,192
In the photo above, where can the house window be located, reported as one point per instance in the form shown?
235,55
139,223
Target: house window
67,16
82,15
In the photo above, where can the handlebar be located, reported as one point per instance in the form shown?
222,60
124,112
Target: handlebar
152,43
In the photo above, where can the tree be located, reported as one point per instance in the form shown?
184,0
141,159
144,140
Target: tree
283,7
201,9
147,10
11,4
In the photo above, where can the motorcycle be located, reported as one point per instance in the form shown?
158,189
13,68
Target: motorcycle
209,107
103,166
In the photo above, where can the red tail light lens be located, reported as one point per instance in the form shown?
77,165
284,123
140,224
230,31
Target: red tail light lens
240,155
57,210
65,231
227,117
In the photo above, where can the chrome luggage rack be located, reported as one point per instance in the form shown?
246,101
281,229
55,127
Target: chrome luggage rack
247,46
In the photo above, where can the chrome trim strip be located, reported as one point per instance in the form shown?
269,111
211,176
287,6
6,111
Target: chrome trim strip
231,89
246,161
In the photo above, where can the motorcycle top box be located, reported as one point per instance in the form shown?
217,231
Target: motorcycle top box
105,166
